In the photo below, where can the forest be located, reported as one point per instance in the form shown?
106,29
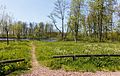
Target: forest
75,20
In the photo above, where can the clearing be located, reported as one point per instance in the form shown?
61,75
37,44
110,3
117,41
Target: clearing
39,70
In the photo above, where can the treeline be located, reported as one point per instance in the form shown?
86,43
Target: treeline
23,30
84,20
94,20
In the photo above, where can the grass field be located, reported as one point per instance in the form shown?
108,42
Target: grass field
16,50
45,51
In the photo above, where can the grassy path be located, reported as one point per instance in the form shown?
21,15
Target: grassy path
35,63
38,70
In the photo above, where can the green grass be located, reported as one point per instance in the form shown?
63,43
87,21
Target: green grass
16,50
45,51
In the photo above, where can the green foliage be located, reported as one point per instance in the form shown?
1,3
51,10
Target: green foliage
16,50
45,51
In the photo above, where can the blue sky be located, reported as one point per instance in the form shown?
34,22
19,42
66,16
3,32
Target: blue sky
29,10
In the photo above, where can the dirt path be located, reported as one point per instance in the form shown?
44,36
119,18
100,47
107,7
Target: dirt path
38,70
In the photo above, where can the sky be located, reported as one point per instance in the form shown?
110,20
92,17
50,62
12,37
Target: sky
29,10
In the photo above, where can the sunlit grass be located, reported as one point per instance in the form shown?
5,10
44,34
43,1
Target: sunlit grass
45,51
16,50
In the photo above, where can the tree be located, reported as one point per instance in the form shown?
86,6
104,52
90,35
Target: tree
97,7
118,11
60,10
48,29
75,17
7,24
41,29
31,28
51,16
101,16
36,31
18,29
110,10
24,29
6,21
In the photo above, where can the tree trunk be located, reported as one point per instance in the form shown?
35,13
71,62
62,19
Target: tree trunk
7,39
76,32
101,20
62,28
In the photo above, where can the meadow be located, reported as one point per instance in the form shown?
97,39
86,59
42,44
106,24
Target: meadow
46,50
15,50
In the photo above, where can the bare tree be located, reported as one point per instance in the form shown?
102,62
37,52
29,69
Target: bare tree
60,12
5,22
51,16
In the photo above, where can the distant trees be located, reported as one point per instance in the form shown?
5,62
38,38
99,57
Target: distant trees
18,29
48,29
41,28
30,30
21,29
87,20
24,29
